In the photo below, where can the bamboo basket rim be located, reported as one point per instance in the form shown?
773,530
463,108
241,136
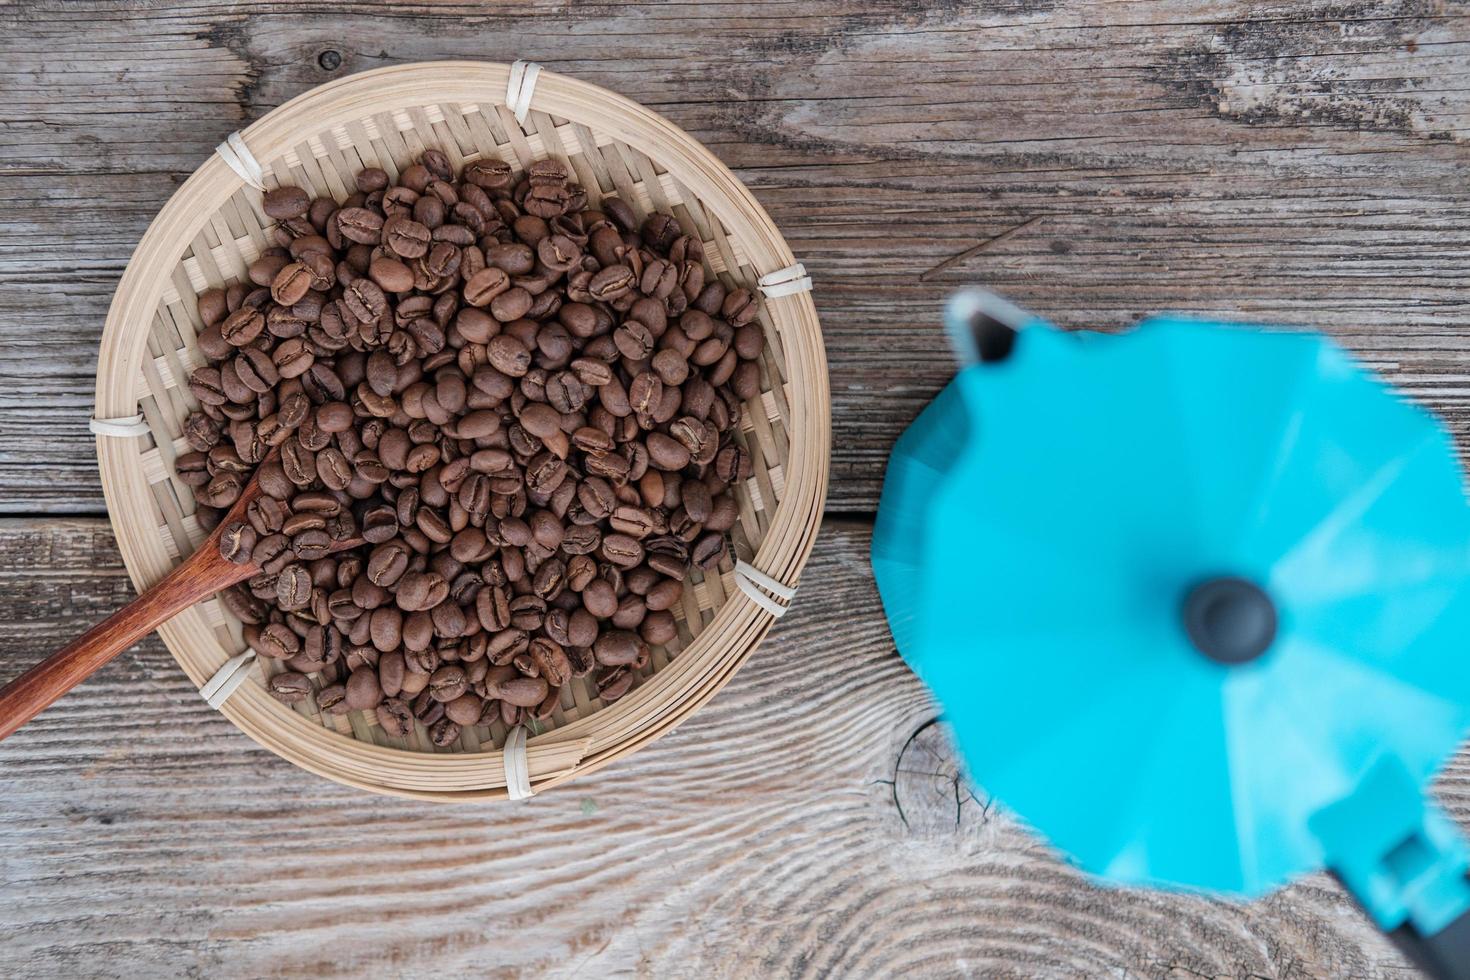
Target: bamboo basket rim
690,678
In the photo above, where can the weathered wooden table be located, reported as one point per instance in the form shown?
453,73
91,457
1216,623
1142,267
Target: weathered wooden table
1280,161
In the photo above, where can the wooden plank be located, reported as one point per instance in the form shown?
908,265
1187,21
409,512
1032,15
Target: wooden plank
1255,160
805,823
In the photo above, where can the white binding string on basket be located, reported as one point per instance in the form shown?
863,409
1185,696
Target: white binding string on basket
519,88
751,580
123,428
227,679
234,152
517,766
785,282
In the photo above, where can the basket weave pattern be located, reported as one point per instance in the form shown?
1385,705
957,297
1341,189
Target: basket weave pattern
324,159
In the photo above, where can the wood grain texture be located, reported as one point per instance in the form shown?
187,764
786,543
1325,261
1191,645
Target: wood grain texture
1293,162
819,835
1298,162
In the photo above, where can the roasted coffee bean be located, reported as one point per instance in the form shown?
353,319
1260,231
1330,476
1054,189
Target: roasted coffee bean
724,512
243,606
332,700
522,692
333,469
284,203
293,587
506,644
613,683
550,579
665,595
465,709
395,717
581,540
363,690
622,550
489,173
631,610
600,599
444,732
236,542
618,648
379,524
365,300
666,452
391,670
277,642
527,612
387,563
407,238
222,491
658,628
311,545
551,661
360,225
291,284
611,283
485,285
709,550
447,683
289,687
508,356
421,591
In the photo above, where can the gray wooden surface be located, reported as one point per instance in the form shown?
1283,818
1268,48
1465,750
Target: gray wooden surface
1277,161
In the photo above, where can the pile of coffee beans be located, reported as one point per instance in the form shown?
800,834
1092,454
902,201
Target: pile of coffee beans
497,430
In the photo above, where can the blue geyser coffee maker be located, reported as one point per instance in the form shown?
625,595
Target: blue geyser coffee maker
1195,600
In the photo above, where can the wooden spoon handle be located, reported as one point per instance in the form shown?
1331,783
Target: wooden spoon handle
30,693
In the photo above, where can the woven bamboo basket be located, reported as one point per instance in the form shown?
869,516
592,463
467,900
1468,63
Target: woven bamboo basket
214,226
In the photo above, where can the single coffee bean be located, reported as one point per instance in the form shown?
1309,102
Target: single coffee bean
465,710
448,683
277,642
622,550
293,587
709,550
332,700
387,563
236,542
391,670
360,225
363,690
291,284
614,682
522,692
600,599
551,661
485,285
421,591
666,452
289,687
395,717
311,545
619,648
223,490
665,595
285,203
407,238
659,628
444,732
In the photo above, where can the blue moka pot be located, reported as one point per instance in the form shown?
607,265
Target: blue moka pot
1196,602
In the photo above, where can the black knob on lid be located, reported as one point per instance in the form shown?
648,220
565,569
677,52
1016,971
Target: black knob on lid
1230,620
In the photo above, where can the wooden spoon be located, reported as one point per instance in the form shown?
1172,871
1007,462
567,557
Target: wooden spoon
203,574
